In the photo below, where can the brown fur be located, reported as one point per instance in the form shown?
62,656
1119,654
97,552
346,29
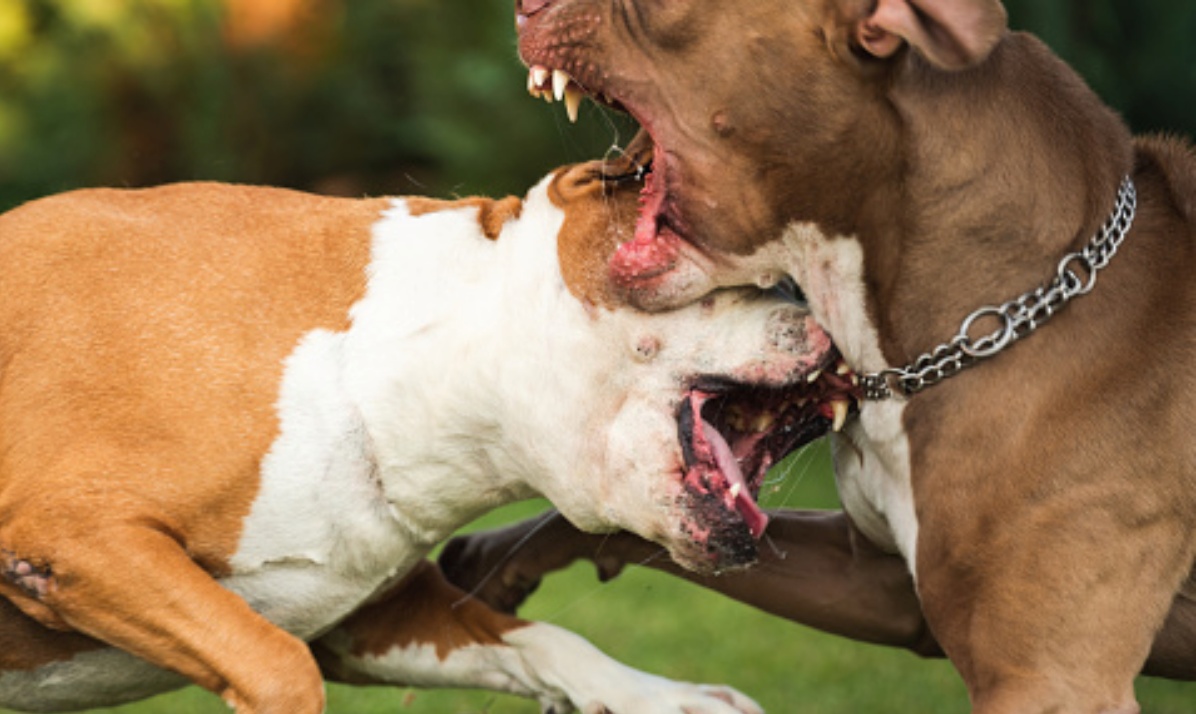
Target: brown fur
492,214
143,344
170,413
424,609
589,238
1054,485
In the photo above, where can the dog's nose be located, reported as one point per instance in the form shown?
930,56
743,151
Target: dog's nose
530,7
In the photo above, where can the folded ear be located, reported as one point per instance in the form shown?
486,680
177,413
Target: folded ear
952,34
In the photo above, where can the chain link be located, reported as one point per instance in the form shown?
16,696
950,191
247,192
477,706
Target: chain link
1074,276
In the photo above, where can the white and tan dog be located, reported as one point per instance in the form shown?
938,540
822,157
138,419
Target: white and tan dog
234,420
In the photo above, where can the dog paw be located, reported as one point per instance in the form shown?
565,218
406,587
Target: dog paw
677,698
34,581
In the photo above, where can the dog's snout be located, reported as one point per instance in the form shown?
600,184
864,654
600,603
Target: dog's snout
793,332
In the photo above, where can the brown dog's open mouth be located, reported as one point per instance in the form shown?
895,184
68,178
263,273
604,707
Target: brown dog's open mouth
658,225
731,434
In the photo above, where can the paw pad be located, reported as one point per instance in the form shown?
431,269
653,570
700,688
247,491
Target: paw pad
33,580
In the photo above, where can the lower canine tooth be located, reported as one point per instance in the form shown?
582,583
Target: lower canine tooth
573,96
840,409
735,489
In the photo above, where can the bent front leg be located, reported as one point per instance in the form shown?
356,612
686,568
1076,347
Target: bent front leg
819,571
425,632
133,586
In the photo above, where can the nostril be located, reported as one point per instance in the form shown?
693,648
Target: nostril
531,7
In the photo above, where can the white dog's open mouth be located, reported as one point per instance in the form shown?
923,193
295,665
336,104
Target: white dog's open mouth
731,434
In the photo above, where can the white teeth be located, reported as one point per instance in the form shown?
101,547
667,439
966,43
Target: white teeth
735,490
842,369
555,85
560,81
812,377
840,409
573,97
536,77
763,422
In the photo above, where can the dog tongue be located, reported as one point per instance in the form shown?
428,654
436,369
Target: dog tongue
755,519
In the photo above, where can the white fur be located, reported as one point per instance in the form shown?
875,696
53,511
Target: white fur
553,665
471,377
872,462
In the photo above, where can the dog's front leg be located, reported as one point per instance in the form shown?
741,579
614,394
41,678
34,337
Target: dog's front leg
819,570
133,586
425,632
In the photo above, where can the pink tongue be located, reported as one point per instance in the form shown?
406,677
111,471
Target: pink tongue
755,519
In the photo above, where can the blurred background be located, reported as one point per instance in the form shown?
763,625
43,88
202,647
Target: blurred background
392,96
357,97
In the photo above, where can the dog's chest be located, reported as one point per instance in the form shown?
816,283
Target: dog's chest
321,537
872,461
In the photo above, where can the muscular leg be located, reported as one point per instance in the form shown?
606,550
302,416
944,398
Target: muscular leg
820,572
139,591
425,632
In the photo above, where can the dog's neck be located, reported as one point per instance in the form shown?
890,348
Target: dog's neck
1005,169
458,317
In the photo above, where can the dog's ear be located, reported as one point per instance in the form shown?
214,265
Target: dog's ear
952,34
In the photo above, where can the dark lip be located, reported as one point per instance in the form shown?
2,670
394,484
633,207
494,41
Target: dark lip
792,415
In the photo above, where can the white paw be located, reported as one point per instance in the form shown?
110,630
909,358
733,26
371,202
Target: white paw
667,697
565,672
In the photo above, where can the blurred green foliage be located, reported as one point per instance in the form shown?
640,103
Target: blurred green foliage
395,96
1139,56
367,96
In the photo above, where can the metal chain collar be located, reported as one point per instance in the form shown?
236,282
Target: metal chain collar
1074,276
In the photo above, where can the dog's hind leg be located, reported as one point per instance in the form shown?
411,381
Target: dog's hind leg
426,632
133,586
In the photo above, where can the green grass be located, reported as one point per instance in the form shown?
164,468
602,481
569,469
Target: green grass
669,627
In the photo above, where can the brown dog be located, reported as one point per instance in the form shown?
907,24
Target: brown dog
910,162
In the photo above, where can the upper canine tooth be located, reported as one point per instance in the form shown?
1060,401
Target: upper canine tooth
560,81
573,96
539,75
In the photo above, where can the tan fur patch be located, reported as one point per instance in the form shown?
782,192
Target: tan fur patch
142,342
493,214
425,609
598,218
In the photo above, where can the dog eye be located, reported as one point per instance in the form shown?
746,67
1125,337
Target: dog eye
788,289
